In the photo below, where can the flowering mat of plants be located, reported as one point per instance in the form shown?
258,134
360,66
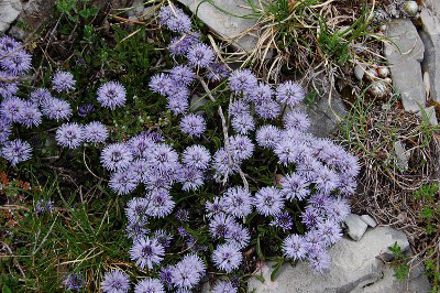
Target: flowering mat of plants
152,166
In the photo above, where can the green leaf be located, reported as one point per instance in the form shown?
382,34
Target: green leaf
276,269
260,278
259,251
6,289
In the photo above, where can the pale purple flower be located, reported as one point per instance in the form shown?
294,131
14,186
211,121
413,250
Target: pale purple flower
295,186
243,123
95,132
241,147
136,210
338,209
147,252
5,130
141,168
178,104
319,203
237,107
39,96
8,87
70,135
329,231
227,257
242,80
10,109
200,56
224,287
217,71
123,182
8,44
161,83
141,144
116,156
174,19
193,124
16,62
268,109
163,237
296,120
162,158
179,46
192,179
183,75
262,92
137,230
214,207
289,151
319,260
56,109
196,156
282,220
43,206
267,136
310,218
290,93
149,285
111,95
222,166
16,151
63,81
166,276
327,180
187,273
238,235
295,247
115,282
85,109
221,225
29,116
237,201
160,203
269,201
74,282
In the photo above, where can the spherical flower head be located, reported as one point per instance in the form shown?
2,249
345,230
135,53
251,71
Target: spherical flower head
174,19
338,209
16,151
200,56
182,75
290,93
178,104
242,81
56,109
180,45
95,132
319,203
267,136
16,62
224,287
289,151
243,123
141,144
39,96
329,231
8,87
213,207
5,130
237,107
217,71
63,81
8,44
136,210
116,156
319,260
187,273
137,230
241,147
193,124
222,166
238,235
149,285
283,221
74,282
227,257
163,159
11,108
269,201
160,203
115,282
85,109
112,95
29,116
163,237
147,252
327,180
221,225
296,120
70,135
196,156
192,179
262,92
295,247
43,206
237,201
124,182
161,84
295,186
268,109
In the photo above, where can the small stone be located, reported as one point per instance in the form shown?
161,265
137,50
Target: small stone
411,7
9,11
383,71
379,89
371,74
355,227
401,156
369,220
359,71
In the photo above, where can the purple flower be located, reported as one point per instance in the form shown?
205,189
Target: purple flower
338,209
282,220
200,56
290,93
329,231
123,182
196,156
296,120
74,282
163,237
175,19
217,71
178,104
95,132
147,252
160,203
8,44
238,235
289,151
149,285
243,123
222,166
187,273
267,136
136,210
10,109
116,156
63,81
327,180
224,287
141,169
70,135
179,46
242,81
137,230
237,201
237,107
227,257
16,151
161,83
319,203
56,109
213,207
163,159
111,95
263,92
166,276
241,147
39,96
29,115
43,206
8,88
182,215
295,247
191,178
295,186
85,109
310,218
221,225
16,62
268,109
193,125
182,75
140,144
319,260
269,201
5,130
115,282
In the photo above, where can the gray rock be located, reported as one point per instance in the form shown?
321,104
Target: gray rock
404,53
356,227
359,71
138,10
9,11
355,267
401,156
429,113
224,18
369,220
430,35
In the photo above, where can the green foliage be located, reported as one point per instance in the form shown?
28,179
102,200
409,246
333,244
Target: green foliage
401,267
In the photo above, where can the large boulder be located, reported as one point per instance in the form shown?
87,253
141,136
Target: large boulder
9,11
